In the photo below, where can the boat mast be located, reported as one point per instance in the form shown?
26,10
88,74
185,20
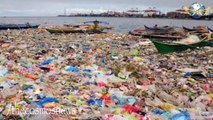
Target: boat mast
65,11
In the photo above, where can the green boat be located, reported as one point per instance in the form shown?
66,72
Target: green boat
164,48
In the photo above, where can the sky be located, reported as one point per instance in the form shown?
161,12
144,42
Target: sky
55,7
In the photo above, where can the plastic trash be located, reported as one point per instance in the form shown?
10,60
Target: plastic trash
91,102
158,111
45,100
25,87
71,69
131,117
122,76
51,105
32,77
167,106
137,59
3,72
130,109
113,117
206,87
99,102
79,102
109,76
114,55
7,92
134,52
122,99
46,62
184,115
87,70
187,74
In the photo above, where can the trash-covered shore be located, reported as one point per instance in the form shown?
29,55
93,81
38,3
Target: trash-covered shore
101,76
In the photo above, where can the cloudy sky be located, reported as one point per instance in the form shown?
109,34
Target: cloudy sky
55,7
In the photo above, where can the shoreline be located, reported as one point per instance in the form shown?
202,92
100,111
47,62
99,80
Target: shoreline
103,17
141,17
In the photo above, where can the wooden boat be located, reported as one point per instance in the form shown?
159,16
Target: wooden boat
211,30
158,28
83,28
18,26
71,30
198,29
69,25
188,29
138,32
78,26
163,37
163,47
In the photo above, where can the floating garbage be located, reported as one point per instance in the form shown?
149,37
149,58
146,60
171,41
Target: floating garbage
101,76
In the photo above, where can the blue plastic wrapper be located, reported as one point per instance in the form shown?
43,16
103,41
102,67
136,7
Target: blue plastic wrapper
166,114
158,111
46,62
71,69
46,100
184,115
187,74
91,102
100,102
87,70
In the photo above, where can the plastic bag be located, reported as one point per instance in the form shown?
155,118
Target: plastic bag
46,100
3,72
122,99
71,69
184,115
46,62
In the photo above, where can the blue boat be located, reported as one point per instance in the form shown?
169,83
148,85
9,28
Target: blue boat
18,26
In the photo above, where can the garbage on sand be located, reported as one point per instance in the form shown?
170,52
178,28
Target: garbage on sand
104,76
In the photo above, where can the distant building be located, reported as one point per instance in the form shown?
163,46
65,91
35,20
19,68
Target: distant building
151,12
114,14
180,13
134,12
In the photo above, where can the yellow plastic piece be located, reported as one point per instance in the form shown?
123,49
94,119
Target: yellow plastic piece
167,106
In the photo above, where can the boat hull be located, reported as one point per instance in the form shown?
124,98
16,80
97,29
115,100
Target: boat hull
196,30
18,26
211,30
73,31
168,48
189,29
